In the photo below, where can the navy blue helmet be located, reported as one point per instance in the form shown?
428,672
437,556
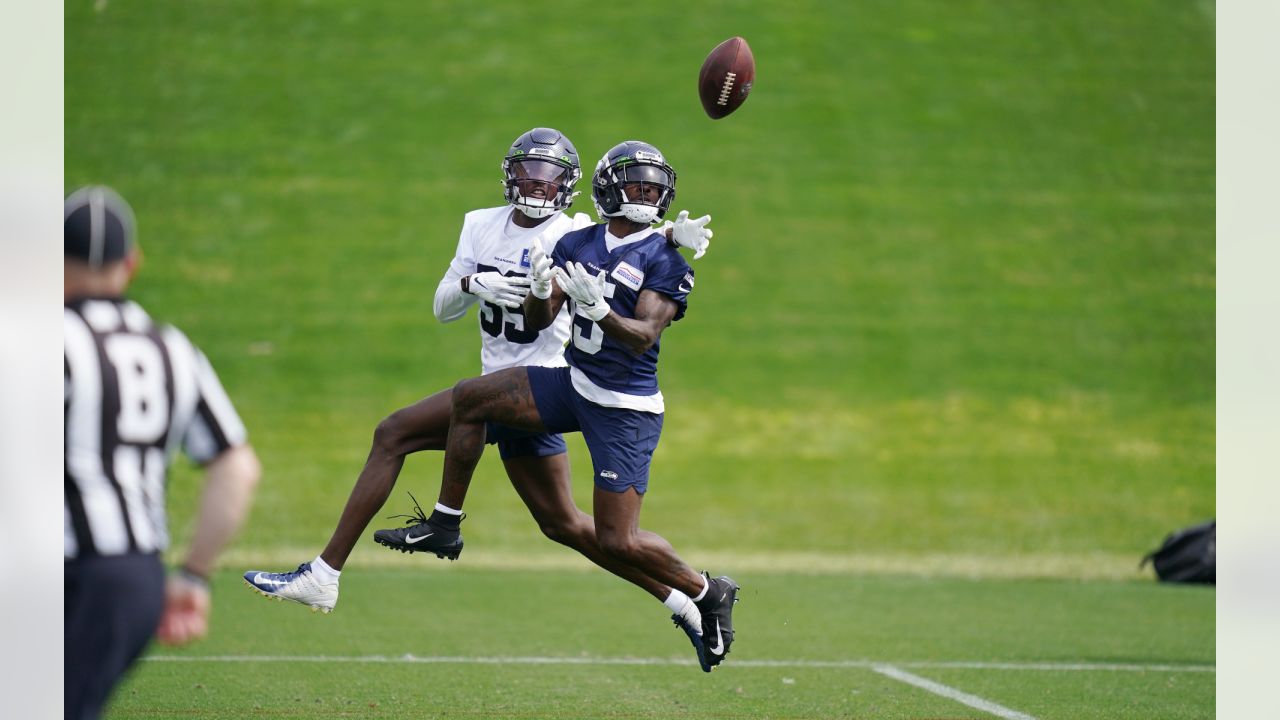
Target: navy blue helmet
633,180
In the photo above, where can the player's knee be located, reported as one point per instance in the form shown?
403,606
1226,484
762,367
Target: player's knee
467,400
478,400
565,531
388,435
557,531
618,545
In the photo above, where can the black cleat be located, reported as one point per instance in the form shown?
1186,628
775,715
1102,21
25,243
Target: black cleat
695,637
717,618
423,534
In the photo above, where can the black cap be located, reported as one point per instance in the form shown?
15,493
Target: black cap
97,226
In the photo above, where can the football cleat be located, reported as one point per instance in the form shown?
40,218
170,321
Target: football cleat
422,535
300,586
717,617
695,637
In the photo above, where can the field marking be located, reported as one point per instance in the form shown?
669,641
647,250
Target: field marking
547,660
1077,566
951,693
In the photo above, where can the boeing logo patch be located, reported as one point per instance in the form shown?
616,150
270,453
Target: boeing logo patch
627,275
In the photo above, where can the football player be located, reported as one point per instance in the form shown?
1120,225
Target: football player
490,268
625,284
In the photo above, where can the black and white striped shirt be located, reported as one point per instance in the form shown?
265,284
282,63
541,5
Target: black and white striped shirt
134,392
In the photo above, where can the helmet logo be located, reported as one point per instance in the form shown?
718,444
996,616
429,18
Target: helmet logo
652,157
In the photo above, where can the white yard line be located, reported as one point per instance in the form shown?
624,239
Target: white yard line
1083,566
550,660
951,693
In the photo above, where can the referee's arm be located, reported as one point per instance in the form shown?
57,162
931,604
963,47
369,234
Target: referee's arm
230,480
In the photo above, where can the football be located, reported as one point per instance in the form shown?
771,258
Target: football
726,77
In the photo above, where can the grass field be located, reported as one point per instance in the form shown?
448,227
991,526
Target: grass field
445,641
955,335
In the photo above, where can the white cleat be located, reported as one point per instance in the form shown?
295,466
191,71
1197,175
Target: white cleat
300,586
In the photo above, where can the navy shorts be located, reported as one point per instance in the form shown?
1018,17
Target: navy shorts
513,442
621,441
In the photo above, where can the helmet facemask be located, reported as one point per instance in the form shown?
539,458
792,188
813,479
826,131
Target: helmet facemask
539,186
638,186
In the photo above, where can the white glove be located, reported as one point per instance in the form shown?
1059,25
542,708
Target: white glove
539,271
586,289
692,234
498,289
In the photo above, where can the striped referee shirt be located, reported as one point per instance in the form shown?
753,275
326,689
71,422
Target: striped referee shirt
134,392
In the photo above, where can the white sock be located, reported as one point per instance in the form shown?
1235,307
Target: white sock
675,601
680,604
325,575
447,510
706,584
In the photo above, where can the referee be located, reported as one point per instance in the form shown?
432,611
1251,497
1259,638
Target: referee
134,393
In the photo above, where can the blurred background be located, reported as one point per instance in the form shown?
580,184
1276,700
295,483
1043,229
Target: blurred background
958,315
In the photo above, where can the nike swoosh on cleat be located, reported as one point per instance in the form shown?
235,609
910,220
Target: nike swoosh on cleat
719,648
411,539
260,580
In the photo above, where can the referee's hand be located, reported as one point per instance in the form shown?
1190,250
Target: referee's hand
186,611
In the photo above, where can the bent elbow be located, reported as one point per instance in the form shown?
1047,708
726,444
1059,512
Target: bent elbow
640,346
248,466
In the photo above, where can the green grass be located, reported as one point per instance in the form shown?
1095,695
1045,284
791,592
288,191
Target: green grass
352,663
958,320
961,296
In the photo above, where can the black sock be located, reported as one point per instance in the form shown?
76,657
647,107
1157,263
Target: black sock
448,521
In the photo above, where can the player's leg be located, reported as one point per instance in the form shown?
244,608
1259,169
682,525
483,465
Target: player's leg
617,516
545,486
501,394
505,398
423,425
621,444
543,483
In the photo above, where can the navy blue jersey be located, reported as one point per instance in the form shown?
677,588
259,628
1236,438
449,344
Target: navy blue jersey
647,264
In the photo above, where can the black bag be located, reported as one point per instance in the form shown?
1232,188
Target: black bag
1187,556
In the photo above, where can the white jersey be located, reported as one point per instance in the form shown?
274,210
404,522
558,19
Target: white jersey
491,242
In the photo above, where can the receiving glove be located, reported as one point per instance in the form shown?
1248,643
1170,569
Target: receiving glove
539,271
692,234
497,288
586,289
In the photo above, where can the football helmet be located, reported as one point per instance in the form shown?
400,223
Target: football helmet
541,169
633,180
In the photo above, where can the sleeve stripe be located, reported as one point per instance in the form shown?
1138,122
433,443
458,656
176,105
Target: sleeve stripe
216,407
182,358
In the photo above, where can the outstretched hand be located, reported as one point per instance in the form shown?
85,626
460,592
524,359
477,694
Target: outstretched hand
692,234
587,290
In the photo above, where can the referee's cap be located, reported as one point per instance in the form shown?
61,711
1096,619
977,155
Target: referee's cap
97,226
